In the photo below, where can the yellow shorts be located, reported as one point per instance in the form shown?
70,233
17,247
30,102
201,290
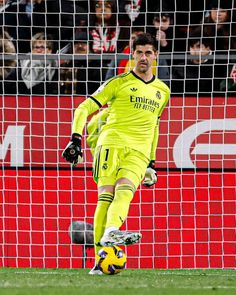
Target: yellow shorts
112,163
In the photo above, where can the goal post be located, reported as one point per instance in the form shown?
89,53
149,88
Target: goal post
188,219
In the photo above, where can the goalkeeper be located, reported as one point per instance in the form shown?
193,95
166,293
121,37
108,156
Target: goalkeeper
126,143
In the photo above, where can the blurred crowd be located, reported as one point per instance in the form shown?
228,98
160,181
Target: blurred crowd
72,46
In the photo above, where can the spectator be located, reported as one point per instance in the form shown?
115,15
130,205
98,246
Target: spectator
229,84
6,65
136,13
186,14
162,23
72,13
104,29
16,20
104,32
78,76
23,19
40,76
37,76
218,24
44,18
200,75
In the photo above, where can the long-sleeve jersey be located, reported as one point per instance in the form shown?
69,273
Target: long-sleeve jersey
135,107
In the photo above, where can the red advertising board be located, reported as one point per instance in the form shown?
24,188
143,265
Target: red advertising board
194,132
187,221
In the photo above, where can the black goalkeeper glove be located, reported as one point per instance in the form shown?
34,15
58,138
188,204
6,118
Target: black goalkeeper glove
150,175
73,152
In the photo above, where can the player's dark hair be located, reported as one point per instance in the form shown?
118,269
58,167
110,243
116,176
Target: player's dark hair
144,39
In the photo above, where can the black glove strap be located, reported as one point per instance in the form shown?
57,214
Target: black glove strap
151,164
76,139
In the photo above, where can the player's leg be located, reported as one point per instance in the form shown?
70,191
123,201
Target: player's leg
124,192
105,198
117,214
130,174
104,173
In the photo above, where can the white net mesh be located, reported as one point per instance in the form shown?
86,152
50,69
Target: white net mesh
188,219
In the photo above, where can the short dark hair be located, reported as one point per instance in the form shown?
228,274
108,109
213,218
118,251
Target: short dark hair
144,39
197,36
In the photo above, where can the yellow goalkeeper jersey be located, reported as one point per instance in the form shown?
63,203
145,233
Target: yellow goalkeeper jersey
135,107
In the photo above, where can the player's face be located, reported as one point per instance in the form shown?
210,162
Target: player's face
144,55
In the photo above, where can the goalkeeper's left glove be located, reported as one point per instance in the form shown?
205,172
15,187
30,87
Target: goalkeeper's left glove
150,175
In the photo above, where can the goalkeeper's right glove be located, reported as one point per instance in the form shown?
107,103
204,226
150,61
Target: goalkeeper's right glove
73,152
150,175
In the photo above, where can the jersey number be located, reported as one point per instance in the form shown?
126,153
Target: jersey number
106,155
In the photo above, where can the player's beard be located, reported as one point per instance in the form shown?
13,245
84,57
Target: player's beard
143,67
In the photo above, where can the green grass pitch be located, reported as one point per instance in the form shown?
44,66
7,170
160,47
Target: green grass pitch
131,282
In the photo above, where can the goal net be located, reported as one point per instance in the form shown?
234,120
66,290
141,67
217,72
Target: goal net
54,54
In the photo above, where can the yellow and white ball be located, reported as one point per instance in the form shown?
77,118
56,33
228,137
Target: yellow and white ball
111,260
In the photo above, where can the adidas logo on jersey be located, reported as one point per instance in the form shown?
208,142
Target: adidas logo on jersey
133,89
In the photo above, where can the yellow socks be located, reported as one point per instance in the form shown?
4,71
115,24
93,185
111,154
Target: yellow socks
100,217
118,210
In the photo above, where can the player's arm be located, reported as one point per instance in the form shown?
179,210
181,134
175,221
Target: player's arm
150,175
73,151
154,143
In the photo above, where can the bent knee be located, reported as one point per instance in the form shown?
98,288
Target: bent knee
128,177
106,189
124,181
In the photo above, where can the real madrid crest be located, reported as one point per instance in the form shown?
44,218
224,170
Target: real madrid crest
158,94
104,166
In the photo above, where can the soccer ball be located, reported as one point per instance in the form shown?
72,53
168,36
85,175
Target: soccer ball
111,260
